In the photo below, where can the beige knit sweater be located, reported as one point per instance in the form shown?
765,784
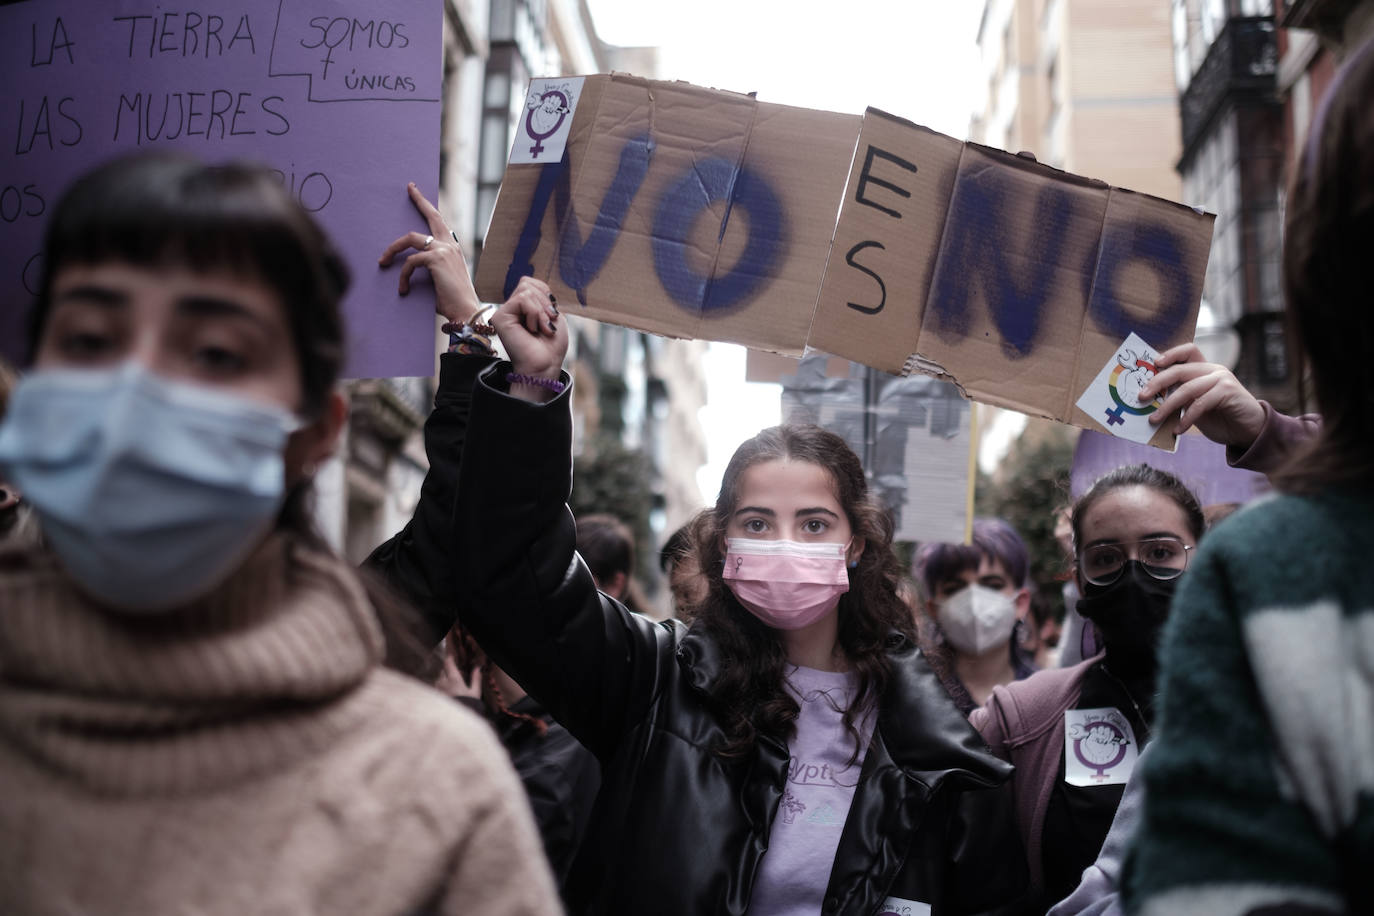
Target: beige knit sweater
243,756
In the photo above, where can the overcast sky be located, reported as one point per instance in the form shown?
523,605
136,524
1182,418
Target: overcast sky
913,58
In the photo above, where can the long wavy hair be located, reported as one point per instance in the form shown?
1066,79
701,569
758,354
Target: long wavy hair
749,695
1328,235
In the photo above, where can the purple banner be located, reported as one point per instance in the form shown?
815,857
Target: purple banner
340,97
1199,462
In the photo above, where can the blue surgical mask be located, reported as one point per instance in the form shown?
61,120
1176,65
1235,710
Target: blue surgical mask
150,491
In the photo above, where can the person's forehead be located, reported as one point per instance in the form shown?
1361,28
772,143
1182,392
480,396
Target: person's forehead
1133,512
786,485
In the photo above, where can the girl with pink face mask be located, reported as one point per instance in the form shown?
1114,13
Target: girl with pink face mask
790,752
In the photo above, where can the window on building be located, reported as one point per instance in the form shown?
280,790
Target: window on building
1183,64
1213,20
1274,362
363,525
502,99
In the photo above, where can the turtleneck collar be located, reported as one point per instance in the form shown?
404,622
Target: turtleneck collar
256,675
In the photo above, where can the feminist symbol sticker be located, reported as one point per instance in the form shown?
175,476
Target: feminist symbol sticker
1099,747
1113,399
543,130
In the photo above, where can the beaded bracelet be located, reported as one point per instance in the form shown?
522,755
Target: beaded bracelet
472,337
550,384
463,338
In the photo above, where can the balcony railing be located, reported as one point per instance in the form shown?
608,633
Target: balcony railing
1243,61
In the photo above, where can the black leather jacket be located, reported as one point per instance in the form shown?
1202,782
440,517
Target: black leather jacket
417,561
559,775
677,830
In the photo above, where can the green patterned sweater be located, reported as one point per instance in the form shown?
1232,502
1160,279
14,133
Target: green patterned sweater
1260,782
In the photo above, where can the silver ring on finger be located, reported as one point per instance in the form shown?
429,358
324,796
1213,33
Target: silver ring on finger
429,240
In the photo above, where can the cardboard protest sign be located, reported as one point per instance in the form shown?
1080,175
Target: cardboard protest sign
763,366
698,213
340,97
683,211
1014,280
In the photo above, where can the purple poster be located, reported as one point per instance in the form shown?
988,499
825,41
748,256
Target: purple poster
340,97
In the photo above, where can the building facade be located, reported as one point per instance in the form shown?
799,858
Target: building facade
1251,74
1086,86
1226,64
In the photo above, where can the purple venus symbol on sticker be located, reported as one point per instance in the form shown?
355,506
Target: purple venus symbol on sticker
1103,747
545,118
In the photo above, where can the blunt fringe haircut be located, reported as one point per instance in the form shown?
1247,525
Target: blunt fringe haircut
993,538
168,210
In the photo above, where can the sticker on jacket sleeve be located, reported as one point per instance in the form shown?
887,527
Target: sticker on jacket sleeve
1099,747
896,906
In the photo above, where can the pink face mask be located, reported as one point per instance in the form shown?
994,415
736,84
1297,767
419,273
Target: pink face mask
785,584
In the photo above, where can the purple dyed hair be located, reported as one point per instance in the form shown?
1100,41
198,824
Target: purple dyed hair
993,538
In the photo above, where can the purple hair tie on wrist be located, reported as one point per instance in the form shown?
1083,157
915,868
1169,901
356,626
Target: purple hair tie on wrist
549,384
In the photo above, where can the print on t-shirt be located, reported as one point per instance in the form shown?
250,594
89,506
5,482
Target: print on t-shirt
821,781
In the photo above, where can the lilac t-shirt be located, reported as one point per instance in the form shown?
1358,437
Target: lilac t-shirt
820,787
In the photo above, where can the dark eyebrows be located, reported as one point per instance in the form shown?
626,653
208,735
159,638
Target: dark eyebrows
196,306
93,294
216,306
1154,535
760,510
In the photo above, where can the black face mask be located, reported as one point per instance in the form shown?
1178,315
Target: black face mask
1129,615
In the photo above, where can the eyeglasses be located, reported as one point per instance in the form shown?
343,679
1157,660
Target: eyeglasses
1162,558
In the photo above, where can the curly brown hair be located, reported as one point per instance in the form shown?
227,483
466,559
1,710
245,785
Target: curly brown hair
749,695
